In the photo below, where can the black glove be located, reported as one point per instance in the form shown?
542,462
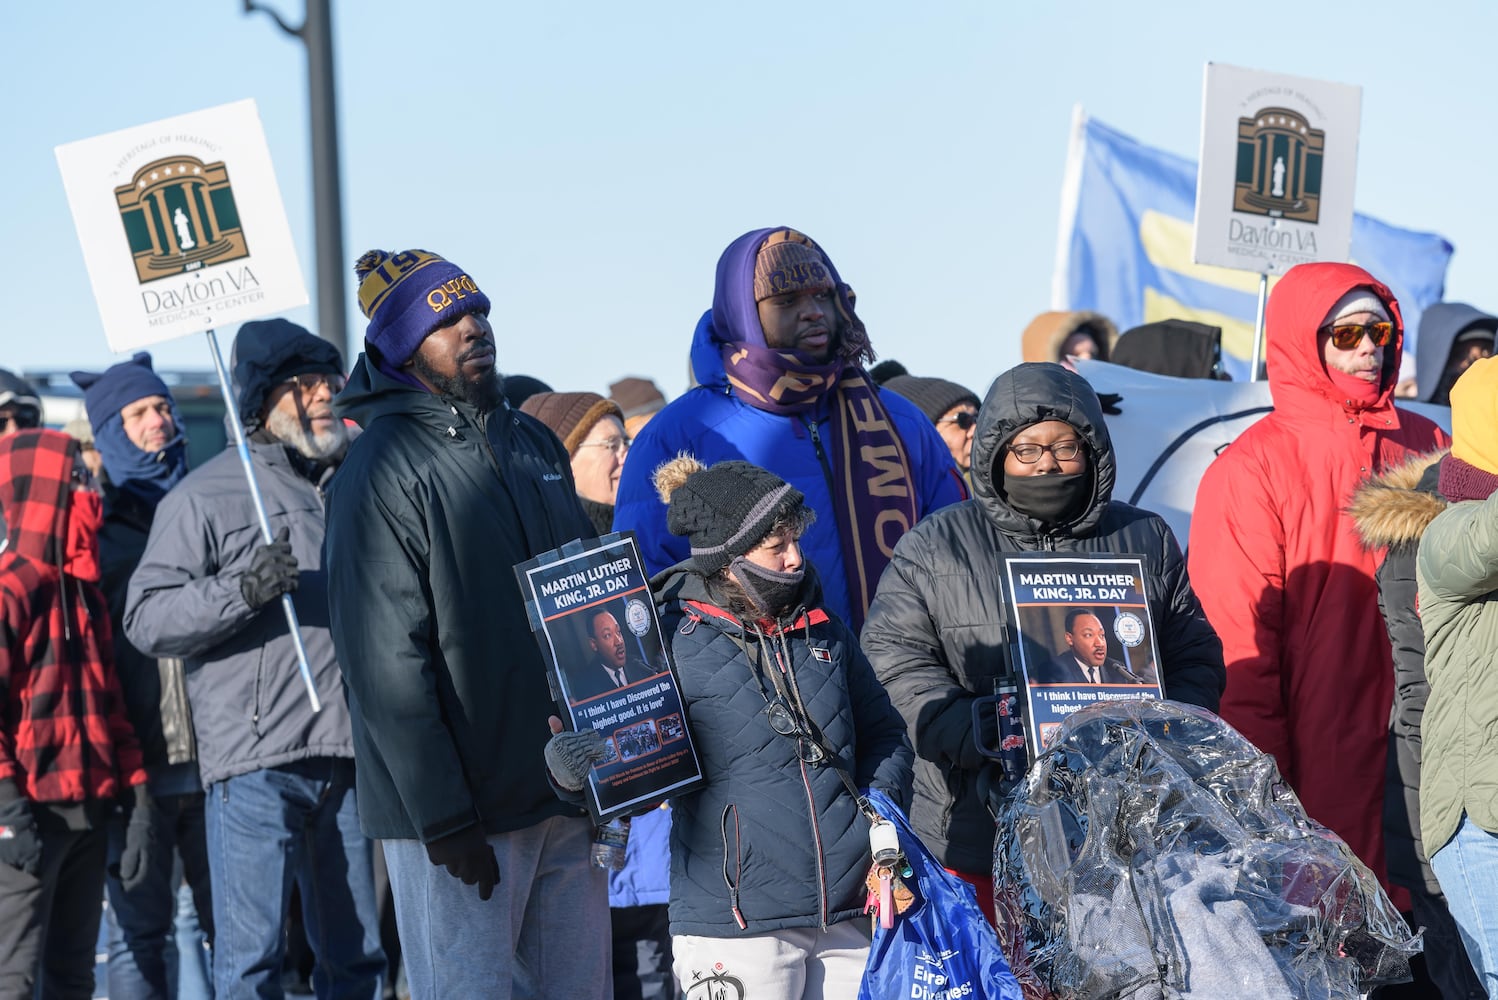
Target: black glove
987,735
570,756
468,858
20,844
1109,402
272,572
140,841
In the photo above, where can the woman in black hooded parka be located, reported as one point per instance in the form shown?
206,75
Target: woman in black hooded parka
934,631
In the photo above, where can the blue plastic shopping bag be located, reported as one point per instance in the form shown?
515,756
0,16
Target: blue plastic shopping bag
942,947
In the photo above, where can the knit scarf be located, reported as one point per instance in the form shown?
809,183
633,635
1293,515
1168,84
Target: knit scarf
873,489
1462,481
147,474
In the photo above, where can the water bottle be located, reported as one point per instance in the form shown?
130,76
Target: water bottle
1011,729
609,843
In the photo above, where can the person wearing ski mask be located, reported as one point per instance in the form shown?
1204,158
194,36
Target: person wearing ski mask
1043,473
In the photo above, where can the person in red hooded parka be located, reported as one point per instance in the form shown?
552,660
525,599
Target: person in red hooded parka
1276,559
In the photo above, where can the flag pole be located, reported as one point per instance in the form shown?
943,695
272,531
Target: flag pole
1253,371
243,447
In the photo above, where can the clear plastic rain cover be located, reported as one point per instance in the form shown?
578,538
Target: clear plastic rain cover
1152,851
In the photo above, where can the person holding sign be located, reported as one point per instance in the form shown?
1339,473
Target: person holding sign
1043,471
769,859
281,806
445,491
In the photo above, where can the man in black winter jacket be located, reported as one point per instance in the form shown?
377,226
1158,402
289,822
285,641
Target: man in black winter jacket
1043,473
444,492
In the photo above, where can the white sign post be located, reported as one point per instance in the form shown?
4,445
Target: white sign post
1276,175
183,231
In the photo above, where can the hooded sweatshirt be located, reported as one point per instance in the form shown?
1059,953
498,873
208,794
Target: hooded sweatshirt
65,740
1284,576
1440,325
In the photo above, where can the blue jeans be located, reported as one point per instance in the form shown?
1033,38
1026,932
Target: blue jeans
544,932
267,829
1467,868
142,949
194,959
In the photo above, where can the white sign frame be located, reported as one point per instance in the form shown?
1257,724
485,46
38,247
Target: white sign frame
182,225
1295,142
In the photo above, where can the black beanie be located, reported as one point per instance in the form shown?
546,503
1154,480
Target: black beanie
932,396
725,511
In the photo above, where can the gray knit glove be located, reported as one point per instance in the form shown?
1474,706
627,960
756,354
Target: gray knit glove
570,756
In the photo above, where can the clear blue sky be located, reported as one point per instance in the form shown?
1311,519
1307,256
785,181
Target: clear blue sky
587,162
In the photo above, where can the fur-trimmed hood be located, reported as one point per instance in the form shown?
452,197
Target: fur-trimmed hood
1395,507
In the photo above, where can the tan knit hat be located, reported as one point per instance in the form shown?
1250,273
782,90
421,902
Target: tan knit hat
571,415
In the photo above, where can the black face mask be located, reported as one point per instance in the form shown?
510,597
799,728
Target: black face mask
770,593
1055,499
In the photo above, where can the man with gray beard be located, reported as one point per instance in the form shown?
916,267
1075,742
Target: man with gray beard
281,806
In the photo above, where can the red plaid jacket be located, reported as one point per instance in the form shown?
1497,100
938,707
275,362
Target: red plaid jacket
64,736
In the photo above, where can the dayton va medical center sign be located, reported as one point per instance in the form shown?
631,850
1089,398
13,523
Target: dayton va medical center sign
182,225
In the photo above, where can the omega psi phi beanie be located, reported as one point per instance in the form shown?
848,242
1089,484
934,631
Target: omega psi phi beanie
408,294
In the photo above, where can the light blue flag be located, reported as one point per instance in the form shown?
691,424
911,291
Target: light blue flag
1125,248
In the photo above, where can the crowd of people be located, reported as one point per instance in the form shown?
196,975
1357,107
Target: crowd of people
396,784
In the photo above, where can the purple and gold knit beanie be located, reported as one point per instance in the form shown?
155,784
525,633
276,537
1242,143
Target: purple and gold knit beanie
408,294
789,262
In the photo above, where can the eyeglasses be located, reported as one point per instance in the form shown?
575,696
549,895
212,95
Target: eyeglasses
1061,451
1346,336
312,381
783,721
617,445
964,419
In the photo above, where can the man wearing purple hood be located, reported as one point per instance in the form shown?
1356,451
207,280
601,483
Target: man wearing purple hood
779,364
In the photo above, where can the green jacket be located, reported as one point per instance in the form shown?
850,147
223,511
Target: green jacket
1457,575
447,689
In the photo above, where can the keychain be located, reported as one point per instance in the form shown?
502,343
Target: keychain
888,894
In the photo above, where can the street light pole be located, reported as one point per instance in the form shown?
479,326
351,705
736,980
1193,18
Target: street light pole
316,34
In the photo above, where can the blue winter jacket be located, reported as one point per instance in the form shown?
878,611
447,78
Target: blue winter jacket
770,840
714,425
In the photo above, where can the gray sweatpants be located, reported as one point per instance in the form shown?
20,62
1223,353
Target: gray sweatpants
544,932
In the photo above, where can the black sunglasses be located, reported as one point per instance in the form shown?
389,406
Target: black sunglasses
964,420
